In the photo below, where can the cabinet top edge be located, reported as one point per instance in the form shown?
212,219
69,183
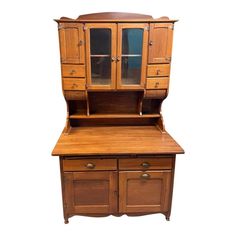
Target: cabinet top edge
115,17
64,20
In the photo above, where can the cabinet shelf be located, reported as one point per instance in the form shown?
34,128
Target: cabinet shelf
95,116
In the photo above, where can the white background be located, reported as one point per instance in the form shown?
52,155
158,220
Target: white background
199,113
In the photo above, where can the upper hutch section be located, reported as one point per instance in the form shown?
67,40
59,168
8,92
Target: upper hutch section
115,65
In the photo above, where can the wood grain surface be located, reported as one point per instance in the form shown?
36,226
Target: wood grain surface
115,140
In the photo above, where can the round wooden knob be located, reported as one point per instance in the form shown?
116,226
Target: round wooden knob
72,72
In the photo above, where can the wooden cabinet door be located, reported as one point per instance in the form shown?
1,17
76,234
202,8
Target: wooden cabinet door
131,55
101,55
160,42
141,192
72,47
90,192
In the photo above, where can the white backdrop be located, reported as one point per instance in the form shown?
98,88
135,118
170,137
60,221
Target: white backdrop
199,113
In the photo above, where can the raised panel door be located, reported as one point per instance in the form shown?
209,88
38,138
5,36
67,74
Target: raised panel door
72,43
160,42
141,192
90,192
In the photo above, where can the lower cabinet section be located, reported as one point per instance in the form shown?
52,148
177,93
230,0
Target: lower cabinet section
132,187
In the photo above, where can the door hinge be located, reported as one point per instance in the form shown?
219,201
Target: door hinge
84,27
146,28
60,26
171,27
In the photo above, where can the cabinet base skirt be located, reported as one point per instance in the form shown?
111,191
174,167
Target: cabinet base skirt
166,214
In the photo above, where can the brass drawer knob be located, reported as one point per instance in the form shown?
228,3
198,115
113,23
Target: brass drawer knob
145,176
158,71
145,164
90,166
156,84
150,43
113,59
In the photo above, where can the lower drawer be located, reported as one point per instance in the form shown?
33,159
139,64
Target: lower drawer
157,83
75,95
156,93
146,163
73,84
89,164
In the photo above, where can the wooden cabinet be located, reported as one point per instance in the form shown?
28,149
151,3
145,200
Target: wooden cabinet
144,191
71,43
115,154
116,55
117,186
160,42
93,192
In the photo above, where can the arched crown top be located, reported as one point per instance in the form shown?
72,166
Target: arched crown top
115,17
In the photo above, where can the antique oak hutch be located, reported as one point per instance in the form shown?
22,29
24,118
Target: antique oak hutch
115,154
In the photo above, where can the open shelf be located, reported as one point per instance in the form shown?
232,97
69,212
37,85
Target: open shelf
95,116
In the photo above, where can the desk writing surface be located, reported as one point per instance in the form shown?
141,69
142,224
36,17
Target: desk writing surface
115,140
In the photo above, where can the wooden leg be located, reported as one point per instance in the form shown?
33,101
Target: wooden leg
167,215
66,221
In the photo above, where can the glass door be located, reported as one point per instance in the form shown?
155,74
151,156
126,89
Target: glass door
101,55
131,55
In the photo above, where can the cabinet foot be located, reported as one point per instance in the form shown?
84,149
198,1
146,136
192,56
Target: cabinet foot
66,221
167,215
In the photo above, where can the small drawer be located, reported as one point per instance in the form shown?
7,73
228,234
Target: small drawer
158,70
73,84
75,95
89,164
146,163
156,93
73,70
157,83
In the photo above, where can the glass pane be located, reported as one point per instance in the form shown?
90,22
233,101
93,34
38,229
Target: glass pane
101,70
131,70
132,43
100,49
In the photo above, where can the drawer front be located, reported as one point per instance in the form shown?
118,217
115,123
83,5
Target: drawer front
89,164
73,70
157,83
75,95
163,163
73,84
156,93
158,70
